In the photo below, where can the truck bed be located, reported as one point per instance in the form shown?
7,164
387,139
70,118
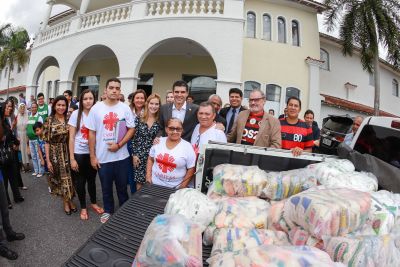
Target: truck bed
115,244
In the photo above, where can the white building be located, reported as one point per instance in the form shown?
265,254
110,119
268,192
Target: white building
213,44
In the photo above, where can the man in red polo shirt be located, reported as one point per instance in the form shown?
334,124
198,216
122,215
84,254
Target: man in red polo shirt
296,134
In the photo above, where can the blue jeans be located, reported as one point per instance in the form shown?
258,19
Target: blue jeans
117,172
34,148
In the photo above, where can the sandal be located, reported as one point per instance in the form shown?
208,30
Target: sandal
84,214
98,210
104,217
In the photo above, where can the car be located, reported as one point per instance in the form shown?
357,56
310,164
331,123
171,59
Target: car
333,132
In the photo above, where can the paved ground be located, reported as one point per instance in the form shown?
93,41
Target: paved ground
51,236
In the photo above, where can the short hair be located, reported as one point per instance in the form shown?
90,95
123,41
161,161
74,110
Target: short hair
293,98
207,104
34,103
40,95
169,92
309,111
236,91
37,124
21,94
113,80
69,92
180,83
174,119
215,95
271,109
258,90
130,96
190,96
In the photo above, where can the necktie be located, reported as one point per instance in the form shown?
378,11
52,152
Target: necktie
231,121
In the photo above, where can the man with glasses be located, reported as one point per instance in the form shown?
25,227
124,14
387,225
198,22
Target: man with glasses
255,126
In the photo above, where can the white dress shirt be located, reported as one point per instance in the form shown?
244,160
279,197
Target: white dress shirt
179,114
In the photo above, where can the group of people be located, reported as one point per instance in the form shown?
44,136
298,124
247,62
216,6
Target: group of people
143,142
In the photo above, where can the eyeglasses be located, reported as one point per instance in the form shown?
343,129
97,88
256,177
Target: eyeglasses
255,99
173,129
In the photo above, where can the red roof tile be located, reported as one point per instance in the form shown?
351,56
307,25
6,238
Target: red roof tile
20,88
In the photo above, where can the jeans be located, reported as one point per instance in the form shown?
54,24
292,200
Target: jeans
34,148
5,224
109,173
85,175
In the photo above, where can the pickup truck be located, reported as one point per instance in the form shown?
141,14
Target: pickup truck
116,242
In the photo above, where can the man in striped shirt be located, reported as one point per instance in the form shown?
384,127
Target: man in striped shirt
297,136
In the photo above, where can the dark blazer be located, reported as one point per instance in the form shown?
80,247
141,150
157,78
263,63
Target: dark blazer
220,119
189,123
224,111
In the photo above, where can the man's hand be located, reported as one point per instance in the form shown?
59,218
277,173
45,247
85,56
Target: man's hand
220,126
42,162
95,163
112,147
297,151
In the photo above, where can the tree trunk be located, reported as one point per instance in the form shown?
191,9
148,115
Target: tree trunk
377,77
8,82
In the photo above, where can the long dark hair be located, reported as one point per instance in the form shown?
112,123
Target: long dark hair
80,110
53,106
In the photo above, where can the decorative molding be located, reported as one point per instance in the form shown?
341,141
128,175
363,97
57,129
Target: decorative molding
314,62
349,85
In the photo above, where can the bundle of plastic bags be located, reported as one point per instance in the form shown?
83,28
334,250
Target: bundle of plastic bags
284,184
275,219
324,170
238,180
192,204
362,181
236,239
170,241
332,212
361,251
279,256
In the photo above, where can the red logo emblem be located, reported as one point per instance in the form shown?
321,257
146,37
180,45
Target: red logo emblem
109,120
85,132
165,162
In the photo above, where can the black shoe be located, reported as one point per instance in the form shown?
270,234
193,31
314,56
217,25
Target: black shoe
19,200
74,210
68,212
15,236
8,253
9,206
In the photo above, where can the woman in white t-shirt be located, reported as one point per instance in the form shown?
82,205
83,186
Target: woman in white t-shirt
206,130
82,171
171,162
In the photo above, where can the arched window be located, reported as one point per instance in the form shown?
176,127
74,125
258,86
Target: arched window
249,86
251,25
267,27
395,88
273,92
281,30
324,56
295,33
292,91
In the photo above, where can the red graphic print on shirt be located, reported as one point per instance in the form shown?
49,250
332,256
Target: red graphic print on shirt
109,120
85,132
165,162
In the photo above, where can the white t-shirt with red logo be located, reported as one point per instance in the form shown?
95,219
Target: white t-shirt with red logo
111,124
81,145
170,165
211,134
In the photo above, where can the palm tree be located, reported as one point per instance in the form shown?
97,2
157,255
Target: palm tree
364,25
13,51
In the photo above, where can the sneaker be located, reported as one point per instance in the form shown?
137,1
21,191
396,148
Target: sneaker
8,253
105,217
39,175
34,174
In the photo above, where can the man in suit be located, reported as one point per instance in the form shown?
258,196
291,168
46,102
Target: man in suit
216,101
230,113
180,109
255,126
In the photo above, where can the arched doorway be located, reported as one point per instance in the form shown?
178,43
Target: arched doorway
178,59
92,68
47,77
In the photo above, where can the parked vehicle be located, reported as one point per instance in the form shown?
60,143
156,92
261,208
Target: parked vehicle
333,132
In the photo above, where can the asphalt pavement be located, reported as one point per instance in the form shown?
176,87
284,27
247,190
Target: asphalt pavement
51,236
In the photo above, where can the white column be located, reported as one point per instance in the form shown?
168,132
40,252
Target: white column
128,85
31,90
84,6
50,4
138,9
223,89
314,98
64,85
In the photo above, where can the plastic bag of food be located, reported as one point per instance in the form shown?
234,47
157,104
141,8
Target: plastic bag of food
192,204
170,240
300,237
274,256
332,212
361,251
323,170
362,181
238,180
275,219
236,239
284,184
241,212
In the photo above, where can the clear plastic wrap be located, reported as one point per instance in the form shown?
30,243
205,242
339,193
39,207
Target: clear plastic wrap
170,241
236,239
284,184
238,180
362,251
362,181
192,204
275,219
323,170
332,212
274,256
